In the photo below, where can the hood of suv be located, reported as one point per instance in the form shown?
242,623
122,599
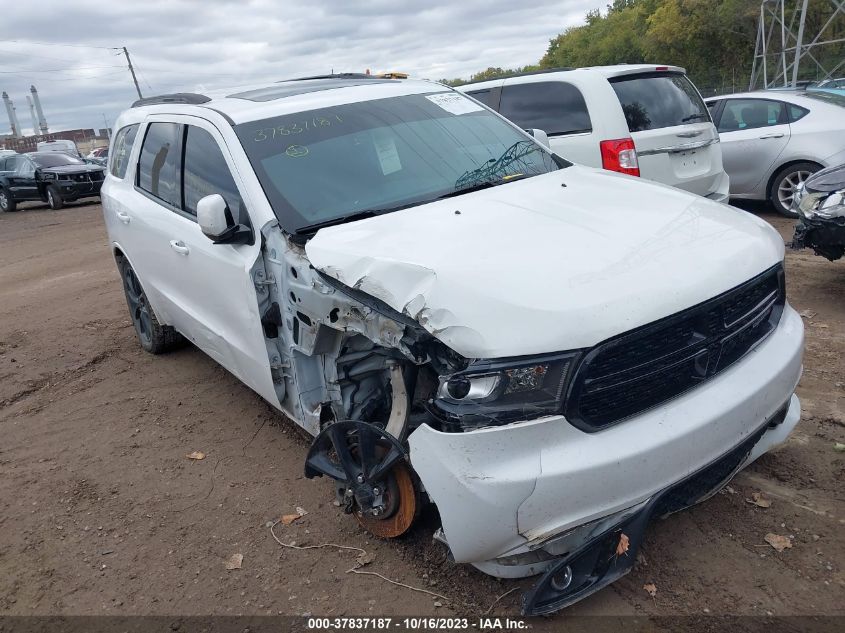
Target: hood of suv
550,263
72,169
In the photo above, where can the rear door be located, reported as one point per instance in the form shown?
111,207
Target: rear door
754,134
677,144
556,107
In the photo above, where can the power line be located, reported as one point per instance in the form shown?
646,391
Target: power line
108,48
55,70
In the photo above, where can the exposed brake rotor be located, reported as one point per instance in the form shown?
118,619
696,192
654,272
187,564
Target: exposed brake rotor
373,479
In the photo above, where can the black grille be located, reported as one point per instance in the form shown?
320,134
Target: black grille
647,366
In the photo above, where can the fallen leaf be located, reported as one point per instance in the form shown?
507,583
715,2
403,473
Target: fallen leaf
196,455
651,588
622,545
365,558
777,541
807,314
234,561
839,446
287,519
730,490
759,500
301,511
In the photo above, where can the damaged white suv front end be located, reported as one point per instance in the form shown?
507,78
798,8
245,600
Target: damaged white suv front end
551,354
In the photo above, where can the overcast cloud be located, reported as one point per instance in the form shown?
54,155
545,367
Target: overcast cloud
192,46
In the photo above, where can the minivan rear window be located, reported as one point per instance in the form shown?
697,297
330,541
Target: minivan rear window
555,107
657,100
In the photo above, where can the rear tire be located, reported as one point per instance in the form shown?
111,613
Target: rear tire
784,184
54,198
152,336
7,204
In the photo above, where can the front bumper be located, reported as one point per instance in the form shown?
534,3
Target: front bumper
825,237
71,190
504,493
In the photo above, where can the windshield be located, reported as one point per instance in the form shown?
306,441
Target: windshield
658,100
55,160
359,159
828,97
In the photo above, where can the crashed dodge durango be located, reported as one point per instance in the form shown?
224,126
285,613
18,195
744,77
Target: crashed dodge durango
553,355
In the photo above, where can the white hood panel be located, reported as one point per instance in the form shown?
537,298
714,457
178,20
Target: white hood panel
533,266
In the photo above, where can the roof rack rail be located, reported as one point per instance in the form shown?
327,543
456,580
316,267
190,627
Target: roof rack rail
177,97
527,73
336,76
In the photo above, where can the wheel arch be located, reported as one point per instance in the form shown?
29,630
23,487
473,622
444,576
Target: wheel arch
794,161
119,254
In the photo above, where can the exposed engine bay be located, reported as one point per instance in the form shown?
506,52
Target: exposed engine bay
354,373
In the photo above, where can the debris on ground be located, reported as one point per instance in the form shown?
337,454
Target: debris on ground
622,546
807,314
759,500
839,446
235,561
196,455
651,589
777,541
365,558
287,519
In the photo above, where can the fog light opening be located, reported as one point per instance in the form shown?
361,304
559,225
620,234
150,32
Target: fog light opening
561,580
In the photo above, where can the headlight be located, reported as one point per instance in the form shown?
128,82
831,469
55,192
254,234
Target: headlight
491,393
48,175
820,204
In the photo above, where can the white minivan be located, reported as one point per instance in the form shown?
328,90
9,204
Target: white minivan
552,354
637,119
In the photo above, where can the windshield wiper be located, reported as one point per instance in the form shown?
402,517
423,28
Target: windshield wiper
351,217
485,185
700,115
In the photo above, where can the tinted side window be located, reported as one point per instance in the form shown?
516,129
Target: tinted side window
24,167
122,149
660,100
797,112
206,172
552,106
487,97
746,114
159,169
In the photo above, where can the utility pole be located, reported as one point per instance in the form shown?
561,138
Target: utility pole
132,70
108,130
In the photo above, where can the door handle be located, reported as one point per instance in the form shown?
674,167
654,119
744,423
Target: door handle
123,217
778,135
179,247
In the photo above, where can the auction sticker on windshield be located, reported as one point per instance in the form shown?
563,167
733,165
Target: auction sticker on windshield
454,103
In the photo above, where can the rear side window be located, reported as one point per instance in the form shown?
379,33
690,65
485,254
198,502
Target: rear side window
552,106
487,97
658,100
797,112
123,141
206,173
747,114
159,172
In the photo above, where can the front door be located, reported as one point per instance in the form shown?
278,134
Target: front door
754,133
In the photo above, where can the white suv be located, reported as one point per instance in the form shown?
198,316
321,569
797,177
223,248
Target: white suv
639,119
552,354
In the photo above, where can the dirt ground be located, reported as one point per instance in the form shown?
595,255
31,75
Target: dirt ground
102,513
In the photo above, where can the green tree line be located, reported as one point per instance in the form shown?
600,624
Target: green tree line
713,39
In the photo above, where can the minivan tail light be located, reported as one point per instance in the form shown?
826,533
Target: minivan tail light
620,155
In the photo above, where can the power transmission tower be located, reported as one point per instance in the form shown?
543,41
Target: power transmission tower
783,42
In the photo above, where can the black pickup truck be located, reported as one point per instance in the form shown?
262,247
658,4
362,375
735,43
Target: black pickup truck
51,177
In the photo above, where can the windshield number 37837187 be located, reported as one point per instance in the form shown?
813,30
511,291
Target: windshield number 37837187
269,133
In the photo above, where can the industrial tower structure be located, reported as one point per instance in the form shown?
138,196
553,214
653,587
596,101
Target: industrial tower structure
785,41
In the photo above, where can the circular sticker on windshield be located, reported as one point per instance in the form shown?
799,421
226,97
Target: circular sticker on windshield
294,151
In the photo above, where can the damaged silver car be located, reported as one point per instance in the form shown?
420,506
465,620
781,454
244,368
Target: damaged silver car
551,354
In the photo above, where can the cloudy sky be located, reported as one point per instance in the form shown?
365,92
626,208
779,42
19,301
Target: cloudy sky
65,48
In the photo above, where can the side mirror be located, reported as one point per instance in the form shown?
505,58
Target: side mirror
540,136
216,222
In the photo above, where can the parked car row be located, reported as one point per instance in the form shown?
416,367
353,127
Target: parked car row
51,177
552,354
